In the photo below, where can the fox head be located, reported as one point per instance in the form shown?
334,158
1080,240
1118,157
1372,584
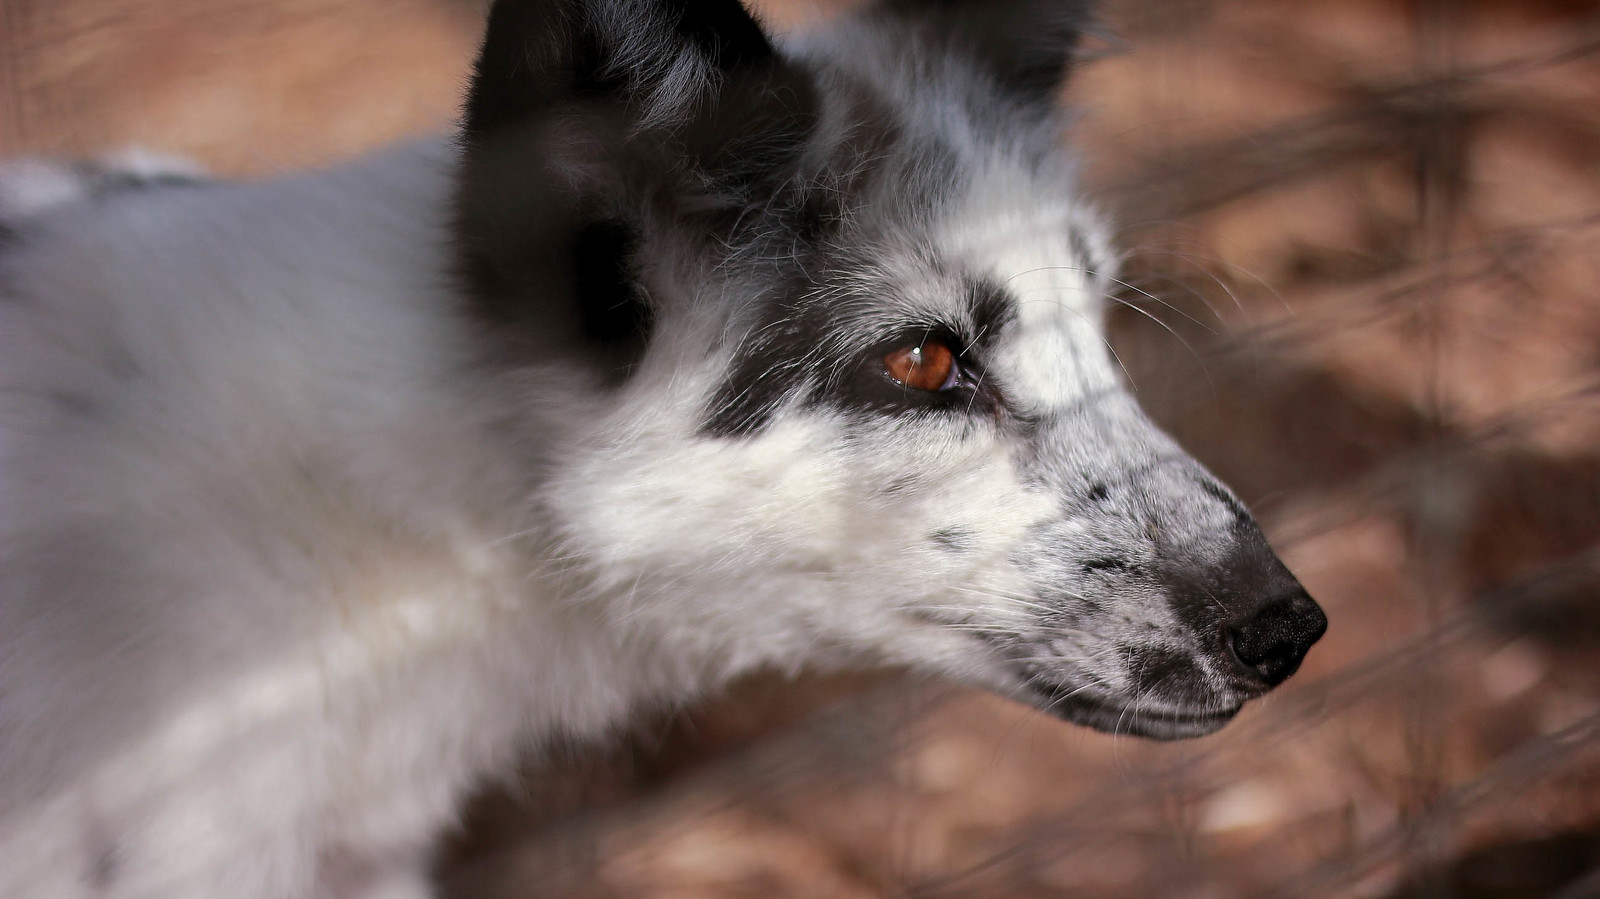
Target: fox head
837,304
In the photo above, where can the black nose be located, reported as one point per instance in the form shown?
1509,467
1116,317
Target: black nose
1272,642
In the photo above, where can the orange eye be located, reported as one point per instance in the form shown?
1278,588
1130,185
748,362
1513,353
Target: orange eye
930,366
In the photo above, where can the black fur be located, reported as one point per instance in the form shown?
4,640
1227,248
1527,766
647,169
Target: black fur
724,32
555,93
532,57
538,54
787,362
611,306
775,365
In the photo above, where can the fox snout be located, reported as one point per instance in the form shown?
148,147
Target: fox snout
1167,607
1263,620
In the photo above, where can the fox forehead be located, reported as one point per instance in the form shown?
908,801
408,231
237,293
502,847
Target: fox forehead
1049,254
974,216
1018,270
1000,258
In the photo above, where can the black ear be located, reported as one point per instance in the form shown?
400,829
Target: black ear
592,125
659,57
1027,45
637,93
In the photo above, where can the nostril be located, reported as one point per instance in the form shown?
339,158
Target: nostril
1272,643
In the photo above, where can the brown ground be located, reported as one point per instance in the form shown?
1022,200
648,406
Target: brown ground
1374,231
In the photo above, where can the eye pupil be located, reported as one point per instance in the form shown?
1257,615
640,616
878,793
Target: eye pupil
929,366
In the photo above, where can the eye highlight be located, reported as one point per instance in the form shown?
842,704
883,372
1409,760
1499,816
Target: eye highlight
930,366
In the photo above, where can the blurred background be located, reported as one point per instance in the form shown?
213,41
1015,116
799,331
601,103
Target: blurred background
1362,284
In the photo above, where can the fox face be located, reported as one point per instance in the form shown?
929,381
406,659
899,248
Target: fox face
842,302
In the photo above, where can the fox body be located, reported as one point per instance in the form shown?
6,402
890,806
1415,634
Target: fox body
695,352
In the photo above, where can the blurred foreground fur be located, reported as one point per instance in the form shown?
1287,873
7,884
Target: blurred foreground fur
691,356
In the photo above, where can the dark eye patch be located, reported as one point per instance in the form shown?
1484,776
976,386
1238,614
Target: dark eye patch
811,350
